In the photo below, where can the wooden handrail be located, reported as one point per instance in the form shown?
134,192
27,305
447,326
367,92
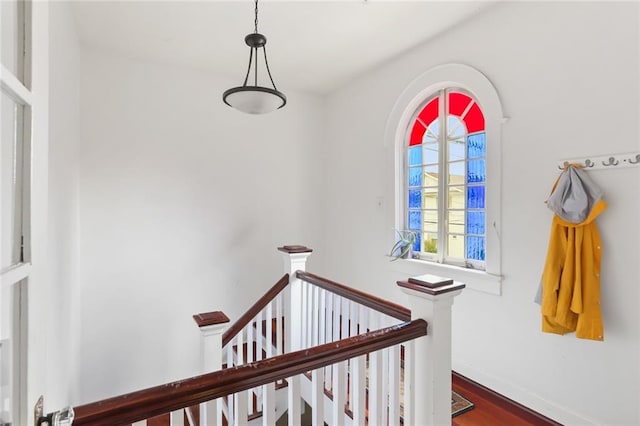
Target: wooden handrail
366,299
140,405
244,320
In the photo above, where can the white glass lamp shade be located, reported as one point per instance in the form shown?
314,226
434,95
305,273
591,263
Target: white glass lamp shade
254,99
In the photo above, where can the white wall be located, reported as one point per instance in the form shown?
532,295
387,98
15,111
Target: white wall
183,203
64,144
567,75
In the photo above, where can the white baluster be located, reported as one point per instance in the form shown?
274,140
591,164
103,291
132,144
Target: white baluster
345,319
279,336
269,404
317,398
294,403
240,348
259,336
305,315
279,328
339,393
191,421
337,303
310,315
240,409
251,339
140,423
363,319
353,331
354,308
328,335
322,320
408,400
394,386
230,357
315,319
231,411
386,321
290,339
260,353
376,407
357,397
176,418
269,331
385,385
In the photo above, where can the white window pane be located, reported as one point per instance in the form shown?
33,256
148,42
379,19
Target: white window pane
11,181
431,176
455,246
432,133
456,197
12,13
6,323
430,154
455,221
456,129
430,244
430,221
430,198
457,173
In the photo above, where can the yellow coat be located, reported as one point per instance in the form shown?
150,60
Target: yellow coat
571,278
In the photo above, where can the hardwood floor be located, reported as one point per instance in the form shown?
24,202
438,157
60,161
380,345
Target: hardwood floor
493,409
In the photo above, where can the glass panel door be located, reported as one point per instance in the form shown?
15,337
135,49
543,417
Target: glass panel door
12,42
12,350
16,103
11,158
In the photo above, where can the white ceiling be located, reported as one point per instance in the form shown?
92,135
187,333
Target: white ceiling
312,45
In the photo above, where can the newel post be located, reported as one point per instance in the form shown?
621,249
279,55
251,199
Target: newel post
212,325
295,259
431,299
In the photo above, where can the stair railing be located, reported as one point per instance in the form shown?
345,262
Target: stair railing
318,311
342,351
173,397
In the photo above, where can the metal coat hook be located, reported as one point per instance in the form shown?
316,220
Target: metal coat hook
587,163
634,162
606,161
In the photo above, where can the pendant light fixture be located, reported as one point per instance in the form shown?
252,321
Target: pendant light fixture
254,99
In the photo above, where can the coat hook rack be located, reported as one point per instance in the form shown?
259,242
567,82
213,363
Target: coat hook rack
600,162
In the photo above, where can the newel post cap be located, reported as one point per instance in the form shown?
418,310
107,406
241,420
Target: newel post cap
431,287
291,249
211,322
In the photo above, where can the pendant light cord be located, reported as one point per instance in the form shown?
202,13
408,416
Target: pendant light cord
256,20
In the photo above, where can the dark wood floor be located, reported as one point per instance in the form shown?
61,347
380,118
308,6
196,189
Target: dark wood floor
493,409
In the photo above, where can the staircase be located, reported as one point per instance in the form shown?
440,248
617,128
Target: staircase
310,351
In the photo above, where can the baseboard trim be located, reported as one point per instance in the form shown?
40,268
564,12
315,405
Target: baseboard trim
524,398
503,402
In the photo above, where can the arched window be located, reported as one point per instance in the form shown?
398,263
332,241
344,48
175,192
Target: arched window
445,177
446,129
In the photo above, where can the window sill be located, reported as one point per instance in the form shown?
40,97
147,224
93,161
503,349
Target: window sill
474,279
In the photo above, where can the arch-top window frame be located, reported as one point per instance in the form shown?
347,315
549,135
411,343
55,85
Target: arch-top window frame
445,179
410,102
